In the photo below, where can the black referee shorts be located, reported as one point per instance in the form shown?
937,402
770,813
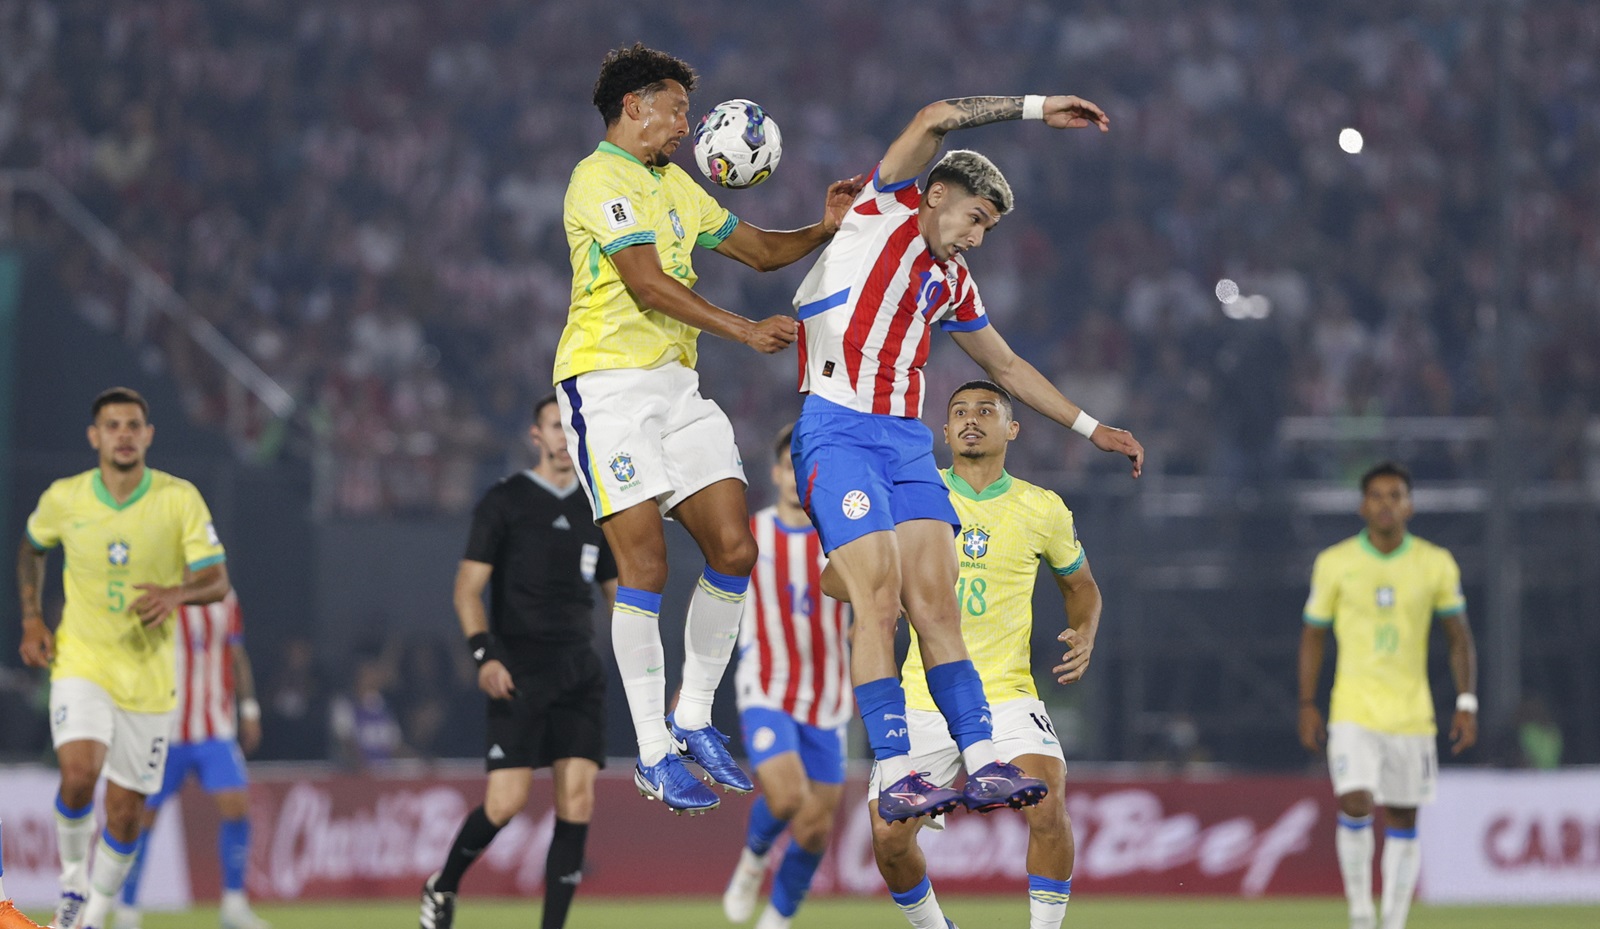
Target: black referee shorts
558,711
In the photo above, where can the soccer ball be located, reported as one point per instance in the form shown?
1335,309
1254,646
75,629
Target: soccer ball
737,144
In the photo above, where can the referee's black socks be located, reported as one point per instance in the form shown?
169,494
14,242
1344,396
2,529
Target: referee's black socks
475,835
563,869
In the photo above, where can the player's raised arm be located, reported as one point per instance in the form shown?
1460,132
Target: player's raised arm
766,250
1015,374
639,266
909,154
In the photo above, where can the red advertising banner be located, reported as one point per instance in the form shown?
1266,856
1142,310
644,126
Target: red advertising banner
325,836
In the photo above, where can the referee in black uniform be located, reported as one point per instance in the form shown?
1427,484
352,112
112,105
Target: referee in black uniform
534,544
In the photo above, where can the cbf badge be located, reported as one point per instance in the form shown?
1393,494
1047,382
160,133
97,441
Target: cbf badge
1386,596
677,224
975,542
117,553
622,467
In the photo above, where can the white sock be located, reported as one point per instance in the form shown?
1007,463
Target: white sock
979,754
1047,902
709,639
235,900
105,882
1402,862
1353,839
636,640
73,838
921,909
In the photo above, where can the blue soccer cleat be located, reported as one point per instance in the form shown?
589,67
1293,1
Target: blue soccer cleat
670,782
708,748
913,796
999,784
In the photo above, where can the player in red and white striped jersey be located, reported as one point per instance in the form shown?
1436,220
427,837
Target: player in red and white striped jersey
793,687
894,269
217,723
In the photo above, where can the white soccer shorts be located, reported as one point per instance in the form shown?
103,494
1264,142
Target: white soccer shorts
1021,727
639,434
136,743
1399,770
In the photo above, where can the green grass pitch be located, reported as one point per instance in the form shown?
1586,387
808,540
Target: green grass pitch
968,913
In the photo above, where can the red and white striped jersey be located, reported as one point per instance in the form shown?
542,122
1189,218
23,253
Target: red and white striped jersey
794,646
205,670
867,306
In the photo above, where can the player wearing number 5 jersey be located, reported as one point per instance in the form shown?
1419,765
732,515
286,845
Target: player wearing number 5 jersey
137,545
1380,592
1008,529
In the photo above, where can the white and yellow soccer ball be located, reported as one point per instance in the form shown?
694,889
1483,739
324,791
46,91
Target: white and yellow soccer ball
737,144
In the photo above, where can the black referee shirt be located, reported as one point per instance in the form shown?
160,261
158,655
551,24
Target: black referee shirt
547,555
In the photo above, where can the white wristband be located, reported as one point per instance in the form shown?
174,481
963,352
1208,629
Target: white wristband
1084,424
249,710
1033,106
1466,703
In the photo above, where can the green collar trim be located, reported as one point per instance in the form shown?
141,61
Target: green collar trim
613,149
1401,549
105,497
959,485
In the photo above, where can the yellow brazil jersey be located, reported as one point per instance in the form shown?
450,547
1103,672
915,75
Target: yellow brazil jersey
1381,607
614,201
1005,532
107,548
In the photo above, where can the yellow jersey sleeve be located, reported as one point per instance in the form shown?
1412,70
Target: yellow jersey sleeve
1448,599
607,209
45,522
202,548
1323,601
1062,550
716,222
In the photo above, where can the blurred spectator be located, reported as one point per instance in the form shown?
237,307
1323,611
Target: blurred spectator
365,197
294,722
1538,736
363,728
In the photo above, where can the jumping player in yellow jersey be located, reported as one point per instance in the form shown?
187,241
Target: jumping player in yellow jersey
1380,591
137,544
646,443
1008,527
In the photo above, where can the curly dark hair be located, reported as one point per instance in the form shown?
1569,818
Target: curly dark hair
636,69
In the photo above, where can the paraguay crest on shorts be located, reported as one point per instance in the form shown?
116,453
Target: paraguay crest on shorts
975,542
856,504
622,467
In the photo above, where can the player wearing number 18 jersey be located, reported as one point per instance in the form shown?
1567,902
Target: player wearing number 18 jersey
1008,528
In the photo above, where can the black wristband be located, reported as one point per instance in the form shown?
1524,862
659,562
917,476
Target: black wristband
481,647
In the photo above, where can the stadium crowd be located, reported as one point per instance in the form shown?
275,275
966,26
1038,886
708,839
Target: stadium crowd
365,196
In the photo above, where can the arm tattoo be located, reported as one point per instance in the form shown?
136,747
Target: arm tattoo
980,111
30,580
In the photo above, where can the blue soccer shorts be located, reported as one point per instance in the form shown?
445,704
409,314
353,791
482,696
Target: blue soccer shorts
861,473
769,733
217,763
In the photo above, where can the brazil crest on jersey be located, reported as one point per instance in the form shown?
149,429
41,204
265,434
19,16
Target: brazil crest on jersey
108,548
615,201
1006,531
1381,607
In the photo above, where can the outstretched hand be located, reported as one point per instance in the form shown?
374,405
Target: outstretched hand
837,202
157,603
1111,439
1064,111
